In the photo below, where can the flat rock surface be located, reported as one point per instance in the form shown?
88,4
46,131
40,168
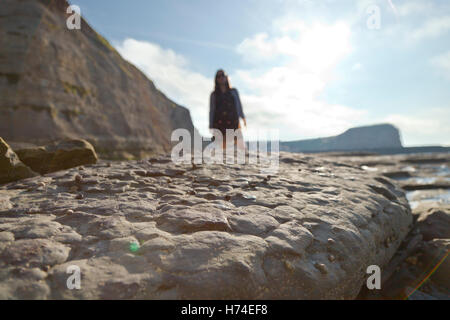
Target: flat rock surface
155,230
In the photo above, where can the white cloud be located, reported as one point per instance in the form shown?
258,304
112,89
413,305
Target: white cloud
432,28
357,66
414,7
287,71
313,47
257,49
442,63
171,74
285,96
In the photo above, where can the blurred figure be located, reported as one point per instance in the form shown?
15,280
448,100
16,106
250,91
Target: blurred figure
225,109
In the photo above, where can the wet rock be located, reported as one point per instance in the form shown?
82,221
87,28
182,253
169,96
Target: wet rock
433,183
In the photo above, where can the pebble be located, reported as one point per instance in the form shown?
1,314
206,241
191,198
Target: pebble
321,267
249,197
79,196
222,206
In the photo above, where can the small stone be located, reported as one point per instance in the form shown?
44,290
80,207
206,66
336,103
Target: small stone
192,192
79,196
331,258
289,196
80,168
331,241
222,206
227,197
321,267
78,178
69,211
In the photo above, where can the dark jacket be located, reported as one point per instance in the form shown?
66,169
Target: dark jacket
212,105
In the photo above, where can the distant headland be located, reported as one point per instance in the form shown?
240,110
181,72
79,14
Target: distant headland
378,139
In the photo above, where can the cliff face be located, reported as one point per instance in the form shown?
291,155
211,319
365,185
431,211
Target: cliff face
362,138
58,83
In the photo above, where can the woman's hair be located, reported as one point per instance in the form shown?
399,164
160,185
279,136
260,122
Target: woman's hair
227,83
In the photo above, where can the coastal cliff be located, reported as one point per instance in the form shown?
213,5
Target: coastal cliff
57,83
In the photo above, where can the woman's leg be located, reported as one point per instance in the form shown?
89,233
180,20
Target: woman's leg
224,138
240,138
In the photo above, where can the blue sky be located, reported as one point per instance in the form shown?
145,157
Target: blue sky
307,68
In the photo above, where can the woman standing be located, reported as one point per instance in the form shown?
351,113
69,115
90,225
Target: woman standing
225,107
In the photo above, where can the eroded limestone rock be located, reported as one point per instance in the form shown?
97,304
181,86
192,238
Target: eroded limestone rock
210,232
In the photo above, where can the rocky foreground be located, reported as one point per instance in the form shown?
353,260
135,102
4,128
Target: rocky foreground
155,230
420,269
